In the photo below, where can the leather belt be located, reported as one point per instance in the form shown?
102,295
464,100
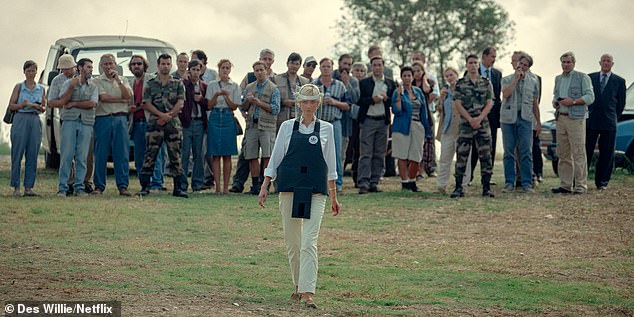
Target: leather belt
116,114
376,117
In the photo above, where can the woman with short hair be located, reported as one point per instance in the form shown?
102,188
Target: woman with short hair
28,100
224,96
410,128
304,164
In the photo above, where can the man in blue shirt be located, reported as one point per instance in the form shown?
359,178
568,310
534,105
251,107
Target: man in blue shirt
261,102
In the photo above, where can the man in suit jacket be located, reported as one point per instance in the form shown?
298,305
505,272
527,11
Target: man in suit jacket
609,102
487,71
374,117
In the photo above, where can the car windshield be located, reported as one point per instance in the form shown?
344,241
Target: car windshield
123,56
629,98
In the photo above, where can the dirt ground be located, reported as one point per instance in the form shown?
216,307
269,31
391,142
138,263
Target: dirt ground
532,232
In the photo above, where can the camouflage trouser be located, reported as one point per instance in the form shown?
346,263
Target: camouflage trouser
482,138
170,133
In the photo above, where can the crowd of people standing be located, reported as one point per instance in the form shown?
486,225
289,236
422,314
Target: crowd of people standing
188,117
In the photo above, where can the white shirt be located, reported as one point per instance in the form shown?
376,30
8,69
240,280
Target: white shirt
326,136
234,93
380,88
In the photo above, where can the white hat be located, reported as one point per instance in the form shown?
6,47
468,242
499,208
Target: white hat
310,59
66,61
309,92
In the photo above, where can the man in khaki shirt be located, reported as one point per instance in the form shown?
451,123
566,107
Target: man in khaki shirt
111,126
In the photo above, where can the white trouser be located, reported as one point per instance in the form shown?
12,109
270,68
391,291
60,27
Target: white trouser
447,154
301,241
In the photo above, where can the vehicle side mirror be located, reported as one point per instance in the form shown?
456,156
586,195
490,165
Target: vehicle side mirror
52,75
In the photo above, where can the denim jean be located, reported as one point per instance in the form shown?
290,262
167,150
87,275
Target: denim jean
520,135
193,143
159,168
74,144
138,136
111,137
26,137
336,124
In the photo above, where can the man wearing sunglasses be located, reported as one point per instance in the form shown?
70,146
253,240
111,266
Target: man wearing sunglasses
309,67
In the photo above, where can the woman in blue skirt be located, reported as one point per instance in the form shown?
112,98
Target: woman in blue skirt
223,95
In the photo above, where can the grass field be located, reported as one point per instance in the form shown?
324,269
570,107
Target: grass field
387,254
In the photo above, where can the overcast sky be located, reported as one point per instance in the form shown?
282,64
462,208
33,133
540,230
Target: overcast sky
239,29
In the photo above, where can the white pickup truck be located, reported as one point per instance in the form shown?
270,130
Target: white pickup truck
123,47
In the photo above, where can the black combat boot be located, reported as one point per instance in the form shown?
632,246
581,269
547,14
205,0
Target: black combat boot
486,186
458,192
405,186
178,183
413,187
144,179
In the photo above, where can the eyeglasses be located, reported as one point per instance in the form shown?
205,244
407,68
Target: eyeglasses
136,63
311,65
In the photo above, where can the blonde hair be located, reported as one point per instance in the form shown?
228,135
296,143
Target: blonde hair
450,68
309,92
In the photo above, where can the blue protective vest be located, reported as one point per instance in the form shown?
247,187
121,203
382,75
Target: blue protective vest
304,164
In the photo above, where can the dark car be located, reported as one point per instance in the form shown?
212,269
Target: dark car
624,137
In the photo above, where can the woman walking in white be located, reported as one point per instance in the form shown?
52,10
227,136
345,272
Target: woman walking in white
303,162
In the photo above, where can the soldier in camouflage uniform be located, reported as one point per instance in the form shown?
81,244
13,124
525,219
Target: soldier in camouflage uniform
163,97
473,100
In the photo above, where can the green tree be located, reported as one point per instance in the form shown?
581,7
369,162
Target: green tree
443,29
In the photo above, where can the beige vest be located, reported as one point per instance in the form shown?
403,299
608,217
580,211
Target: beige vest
266,120
282,82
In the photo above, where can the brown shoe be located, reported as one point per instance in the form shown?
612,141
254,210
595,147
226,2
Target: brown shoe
96,191
124,192
309,303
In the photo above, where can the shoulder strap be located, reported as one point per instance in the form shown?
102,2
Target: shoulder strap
295,125
317,128
18,88
250,77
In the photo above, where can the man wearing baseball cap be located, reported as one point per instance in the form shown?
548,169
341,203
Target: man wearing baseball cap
309,67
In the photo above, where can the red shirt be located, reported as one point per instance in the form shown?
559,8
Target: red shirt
138,98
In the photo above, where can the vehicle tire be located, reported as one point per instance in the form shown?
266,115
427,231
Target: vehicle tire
555,166
51,160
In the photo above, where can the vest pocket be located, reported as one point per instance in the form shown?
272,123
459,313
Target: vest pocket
506,114
577,112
